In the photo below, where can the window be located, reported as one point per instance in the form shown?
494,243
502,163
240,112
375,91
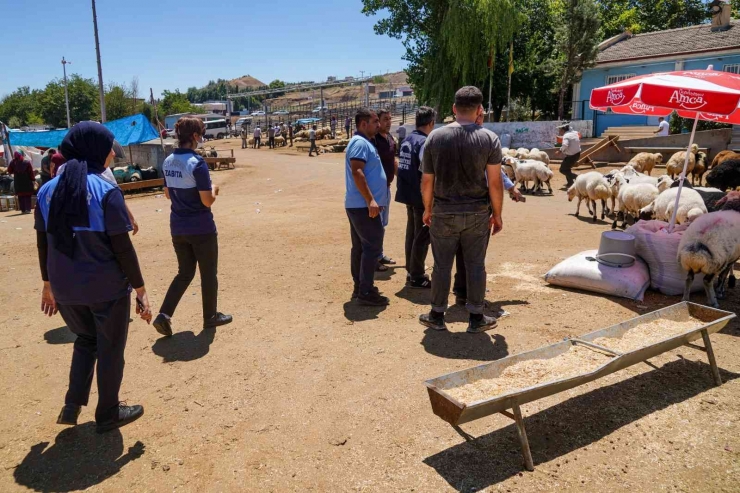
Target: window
734,68
613,79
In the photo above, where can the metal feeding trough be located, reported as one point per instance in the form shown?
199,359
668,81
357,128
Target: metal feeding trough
454,412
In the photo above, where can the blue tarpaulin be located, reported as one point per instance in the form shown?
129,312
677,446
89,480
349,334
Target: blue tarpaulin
308,120
130,130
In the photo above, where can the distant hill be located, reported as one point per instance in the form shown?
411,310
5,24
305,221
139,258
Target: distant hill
340,94
246,81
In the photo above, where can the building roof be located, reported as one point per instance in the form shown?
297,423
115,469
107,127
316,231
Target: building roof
686,40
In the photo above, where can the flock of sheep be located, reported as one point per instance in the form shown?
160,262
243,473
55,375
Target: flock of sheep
523,166
711,243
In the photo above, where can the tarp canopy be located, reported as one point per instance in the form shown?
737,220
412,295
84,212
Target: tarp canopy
129,130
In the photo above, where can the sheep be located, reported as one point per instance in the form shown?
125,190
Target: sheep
726,175
664,183
522,153
528,169
730,202
723,156
644,162
675,164
690,206
591,186
509,170
538,155
632,198
710,245
280,141
700,167
510,153
710,196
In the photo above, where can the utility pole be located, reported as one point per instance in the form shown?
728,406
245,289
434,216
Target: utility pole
100,67
66,92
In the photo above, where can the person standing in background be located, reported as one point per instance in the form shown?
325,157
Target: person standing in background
664,129
88,266
257,137
271,136
290,133
333,126
46,167
347,125
57,160
463,201
243,135
312,140
408,192
571,149
366,196
23,180
194,236
386,147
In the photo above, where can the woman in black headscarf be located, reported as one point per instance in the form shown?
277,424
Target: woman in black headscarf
88,266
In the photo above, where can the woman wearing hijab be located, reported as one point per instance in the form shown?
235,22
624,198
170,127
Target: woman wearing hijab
57,161
89,266
188,186
23,180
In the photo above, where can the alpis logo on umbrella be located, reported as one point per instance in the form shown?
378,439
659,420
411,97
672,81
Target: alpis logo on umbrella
688,99
641,108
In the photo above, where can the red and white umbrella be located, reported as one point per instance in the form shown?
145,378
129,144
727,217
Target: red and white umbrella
697,94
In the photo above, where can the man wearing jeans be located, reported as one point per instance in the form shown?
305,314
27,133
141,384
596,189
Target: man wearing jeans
367,195
408,192
460,185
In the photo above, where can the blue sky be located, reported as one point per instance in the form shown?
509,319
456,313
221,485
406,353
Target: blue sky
172,44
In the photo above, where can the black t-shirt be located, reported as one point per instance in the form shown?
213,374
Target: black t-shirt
386,147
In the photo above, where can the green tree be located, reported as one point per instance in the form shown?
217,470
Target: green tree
84,103
577,44
14,122
173,103
277,84
117,102
20,104
639,16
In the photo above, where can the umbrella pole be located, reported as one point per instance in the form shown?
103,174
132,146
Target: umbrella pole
682,177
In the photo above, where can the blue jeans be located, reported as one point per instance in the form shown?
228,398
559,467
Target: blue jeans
367,244
468,232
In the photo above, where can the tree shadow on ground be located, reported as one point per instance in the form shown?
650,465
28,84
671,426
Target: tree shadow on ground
355,312
60,335
184,346
461,345
78,459
495,457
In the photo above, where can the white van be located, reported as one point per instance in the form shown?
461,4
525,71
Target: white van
217,129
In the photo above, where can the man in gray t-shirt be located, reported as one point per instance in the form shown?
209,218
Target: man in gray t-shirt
463,199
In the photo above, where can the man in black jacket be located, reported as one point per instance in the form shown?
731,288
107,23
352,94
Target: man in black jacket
408,191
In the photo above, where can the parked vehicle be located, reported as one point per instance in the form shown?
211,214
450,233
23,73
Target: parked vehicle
281,112
319,109
258,113
216,128
240,121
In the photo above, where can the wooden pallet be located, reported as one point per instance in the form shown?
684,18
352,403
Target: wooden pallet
139,185
596,148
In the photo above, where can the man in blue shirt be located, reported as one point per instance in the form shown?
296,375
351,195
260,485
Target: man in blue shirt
367,195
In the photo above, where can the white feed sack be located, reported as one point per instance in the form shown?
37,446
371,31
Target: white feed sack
659,250
589,275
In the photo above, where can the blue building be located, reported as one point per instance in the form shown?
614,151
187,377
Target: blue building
628,55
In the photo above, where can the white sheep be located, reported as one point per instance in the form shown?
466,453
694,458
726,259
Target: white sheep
674,166
632,198
591,186
522,153
690,206
710,245
644,162
509,152
526,170
538,155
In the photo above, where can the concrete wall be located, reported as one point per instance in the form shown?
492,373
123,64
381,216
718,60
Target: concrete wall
146,155
597,77
714,140
542,135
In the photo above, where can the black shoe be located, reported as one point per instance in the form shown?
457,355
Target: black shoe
481,323
433,320
124,415
217,320
372,298
385,260
163,326
423,283
68,415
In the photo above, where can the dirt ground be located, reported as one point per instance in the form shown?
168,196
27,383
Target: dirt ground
307,391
